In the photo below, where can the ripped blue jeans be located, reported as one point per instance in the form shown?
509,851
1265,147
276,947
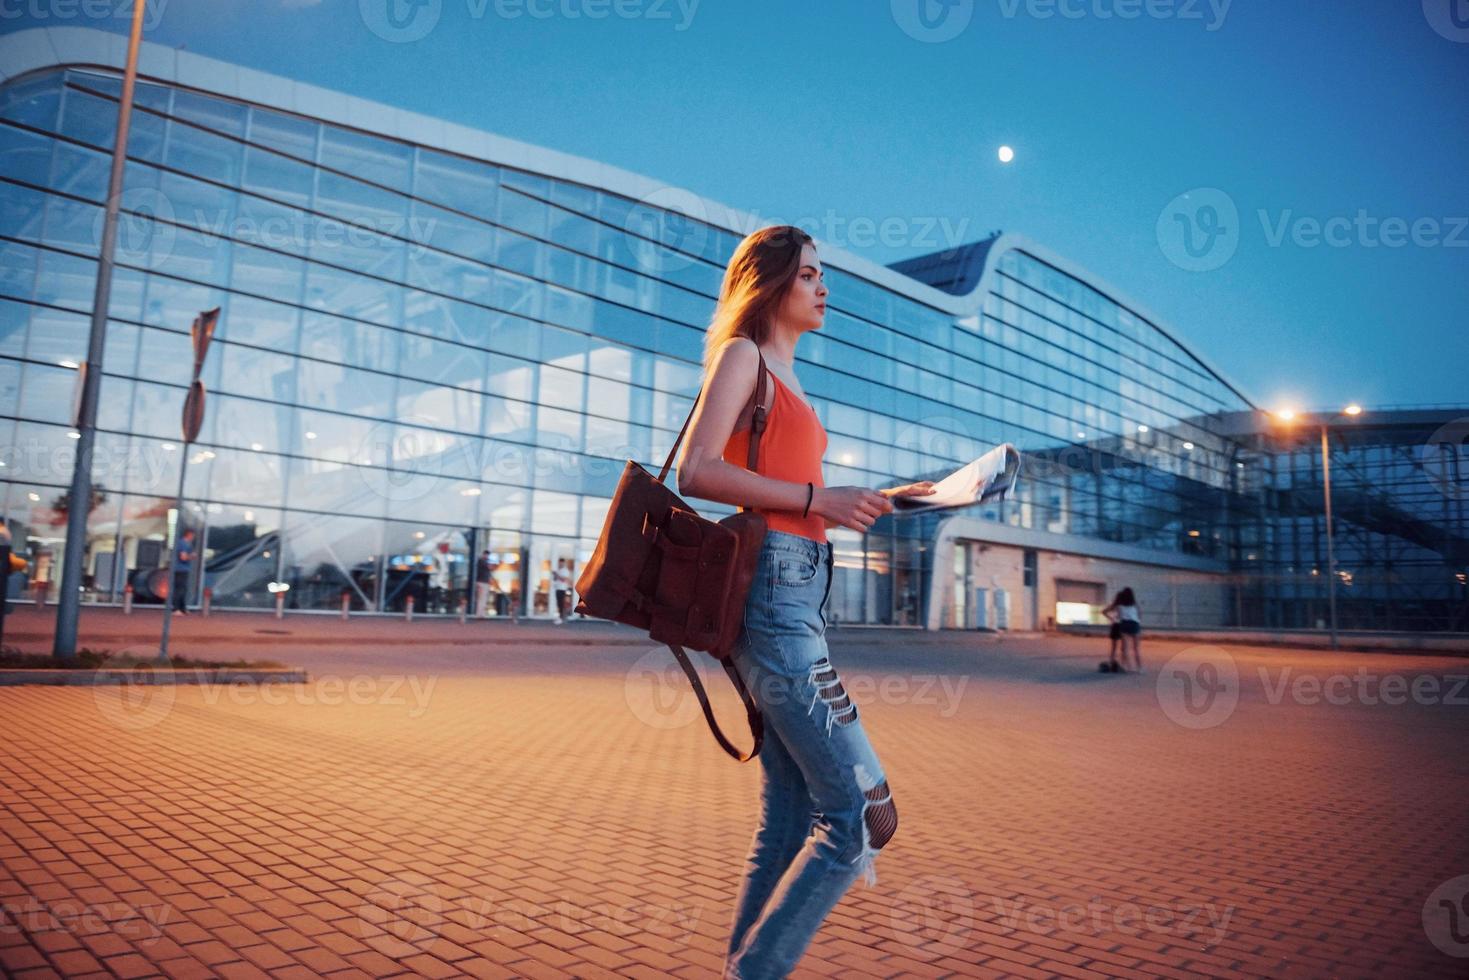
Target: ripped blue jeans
825,806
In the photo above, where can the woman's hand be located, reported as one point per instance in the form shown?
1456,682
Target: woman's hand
920,489
853,507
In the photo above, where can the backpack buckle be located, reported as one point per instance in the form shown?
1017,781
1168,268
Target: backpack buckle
650,530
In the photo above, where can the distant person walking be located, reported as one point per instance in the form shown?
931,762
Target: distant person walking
484,582
561,583
441,579
1128,627
183,564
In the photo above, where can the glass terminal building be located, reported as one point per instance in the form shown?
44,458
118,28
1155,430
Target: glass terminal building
437,347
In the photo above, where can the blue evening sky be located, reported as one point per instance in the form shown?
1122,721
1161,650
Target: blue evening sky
824,113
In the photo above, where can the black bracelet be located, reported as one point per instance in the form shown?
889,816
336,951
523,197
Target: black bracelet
810,493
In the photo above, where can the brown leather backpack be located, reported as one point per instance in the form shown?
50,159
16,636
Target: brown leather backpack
661,567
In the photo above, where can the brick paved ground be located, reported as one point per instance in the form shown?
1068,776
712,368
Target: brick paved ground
536,810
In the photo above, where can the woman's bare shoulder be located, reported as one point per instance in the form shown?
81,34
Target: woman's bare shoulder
738,351
735,363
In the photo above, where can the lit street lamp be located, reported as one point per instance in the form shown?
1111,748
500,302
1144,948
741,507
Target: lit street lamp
1288,416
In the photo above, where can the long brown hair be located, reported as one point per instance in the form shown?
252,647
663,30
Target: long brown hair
756,281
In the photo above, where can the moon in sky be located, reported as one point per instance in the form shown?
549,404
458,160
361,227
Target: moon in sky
1006,154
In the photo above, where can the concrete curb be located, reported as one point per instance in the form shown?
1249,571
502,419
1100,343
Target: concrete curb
104,640
306,633
12,677
1446,644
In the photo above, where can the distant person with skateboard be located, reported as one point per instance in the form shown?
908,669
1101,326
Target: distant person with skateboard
1126,625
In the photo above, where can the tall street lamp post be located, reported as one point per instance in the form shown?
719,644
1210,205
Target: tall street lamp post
64,644
1288,416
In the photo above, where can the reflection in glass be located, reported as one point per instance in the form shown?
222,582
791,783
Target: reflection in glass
345,389
497,573
104,570
328,555
335,487
241,475
547,557
242,554
426,562
144,526
439,406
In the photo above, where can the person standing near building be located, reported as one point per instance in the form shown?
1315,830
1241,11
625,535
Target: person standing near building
183,563
561,585
1129,625
441,579
9,563
826,810
484,581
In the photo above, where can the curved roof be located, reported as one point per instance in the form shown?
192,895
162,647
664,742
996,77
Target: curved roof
954,270
978,263
43,48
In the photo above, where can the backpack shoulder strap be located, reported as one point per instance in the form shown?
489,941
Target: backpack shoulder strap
757,414
752,713
755,406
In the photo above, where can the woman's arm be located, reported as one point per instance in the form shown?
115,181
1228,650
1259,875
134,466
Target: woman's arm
922,488
702,472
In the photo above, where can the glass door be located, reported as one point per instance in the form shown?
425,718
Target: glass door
548,557
497,578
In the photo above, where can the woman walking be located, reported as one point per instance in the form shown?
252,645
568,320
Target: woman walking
826,809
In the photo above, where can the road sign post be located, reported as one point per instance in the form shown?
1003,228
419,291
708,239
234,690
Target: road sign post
201,333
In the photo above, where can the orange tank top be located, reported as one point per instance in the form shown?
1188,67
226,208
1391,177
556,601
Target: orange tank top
791,448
